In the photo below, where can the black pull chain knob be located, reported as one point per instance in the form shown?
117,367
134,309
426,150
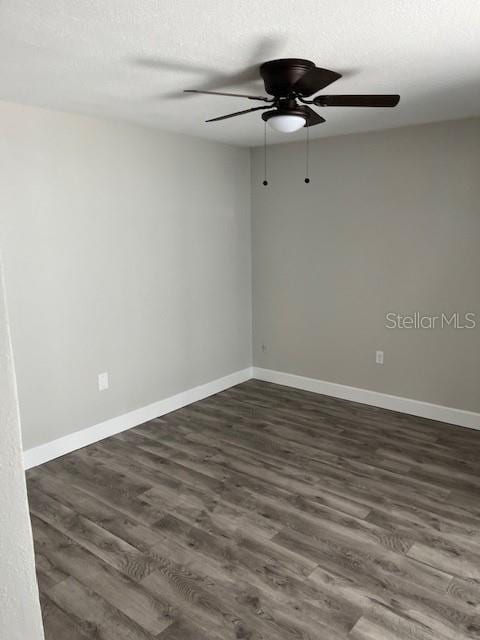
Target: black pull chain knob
265,181
307,154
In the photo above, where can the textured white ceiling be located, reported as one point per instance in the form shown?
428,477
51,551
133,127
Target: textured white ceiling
130,59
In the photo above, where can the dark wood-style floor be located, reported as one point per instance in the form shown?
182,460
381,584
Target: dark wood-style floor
263,513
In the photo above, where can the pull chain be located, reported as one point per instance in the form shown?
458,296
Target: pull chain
307,179
265,181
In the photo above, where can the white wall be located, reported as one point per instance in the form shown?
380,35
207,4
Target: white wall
127,251
19,605
389,222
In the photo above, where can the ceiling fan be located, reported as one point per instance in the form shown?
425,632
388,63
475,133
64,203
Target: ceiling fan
290,81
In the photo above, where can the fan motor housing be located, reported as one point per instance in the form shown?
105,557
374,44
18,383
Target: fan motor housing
298,110
280,75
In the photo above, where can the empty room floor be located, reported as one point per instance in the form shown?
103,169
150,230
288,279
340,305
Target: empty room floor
263,513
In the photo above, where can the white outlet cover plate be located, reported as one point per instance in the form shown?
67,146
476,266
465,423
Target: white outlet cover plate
103,381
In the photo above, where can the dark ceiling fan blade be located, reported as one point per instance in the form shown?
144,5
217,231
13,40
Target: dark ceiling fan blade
312,117
314,80
357,101
233,95
237,113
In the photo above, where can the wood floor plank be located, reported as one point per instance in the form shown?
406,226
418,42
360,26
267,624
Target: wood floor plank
108,547
256,572
48,575
367,629
185,631
263,513
105,621
222,453
340,481
58,624
418,605
277,574
154,614
371,563
455,560
104,485
105,515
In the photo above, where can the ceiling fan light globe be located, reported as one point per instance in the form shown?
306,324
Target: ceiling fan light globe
286,123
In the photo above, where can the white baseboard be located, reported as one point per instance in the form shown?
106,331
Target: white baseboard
364,396
66,444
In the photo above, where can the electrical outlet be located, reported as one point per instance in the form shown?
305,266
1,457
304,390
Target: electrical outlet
379,357
103,381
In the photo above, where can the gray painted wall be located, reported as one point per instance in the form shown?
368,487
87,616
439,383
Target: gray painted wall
126,250
19,605
390,222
